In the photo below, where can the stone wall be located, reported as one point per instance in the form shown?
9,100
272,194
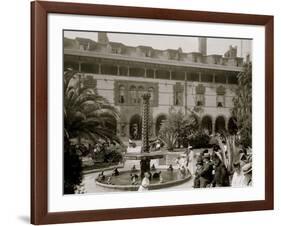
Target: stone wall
164,95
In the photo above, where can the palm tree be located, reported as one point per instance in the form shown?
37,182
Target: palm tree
177,127
86,115
231,148
242,109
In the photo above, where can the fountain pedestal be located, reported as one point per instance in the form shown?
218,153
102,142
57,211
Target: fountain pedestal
145,162
144,155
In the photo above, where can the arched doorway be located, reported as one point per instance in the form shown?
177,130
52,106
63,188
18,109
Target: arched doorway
220,124
135,127
159,121
232,125
206,124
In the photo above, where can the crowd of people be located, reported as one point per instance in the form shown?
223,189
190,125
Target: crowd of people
213,169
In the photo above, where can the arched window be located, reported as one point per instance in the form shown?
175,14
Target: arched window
121,94
135,127
206,124
133,94
220,124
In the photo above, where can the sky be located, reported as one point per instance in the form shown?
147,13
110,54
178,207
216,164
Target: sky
187,43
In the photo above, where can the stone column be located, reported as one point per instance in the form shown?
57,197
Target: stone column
145,122
145,162
118,70
214,78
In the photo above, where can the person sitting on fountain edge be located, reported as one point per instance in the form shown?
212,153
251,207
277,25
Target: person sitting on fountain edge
153,168
156,175
115,172
101,176
109,180
182,171
170,168
133,169
134,178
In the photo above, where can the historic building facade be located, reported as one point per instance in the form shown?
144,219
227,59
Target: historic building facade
172,77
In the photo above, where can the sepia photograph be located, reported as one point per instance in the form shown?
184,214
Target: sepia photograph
149,112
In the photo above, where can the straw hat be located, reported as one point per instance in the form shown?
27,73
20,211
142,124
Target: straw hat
247,168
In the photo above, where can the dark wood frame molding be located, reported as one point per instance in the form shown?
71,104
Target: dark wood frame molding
39,109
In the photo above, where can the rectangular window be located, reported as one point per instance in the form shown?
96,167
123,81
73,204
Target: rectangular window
178,96
200,100
220,79
206,77
194,77
149,73
178,75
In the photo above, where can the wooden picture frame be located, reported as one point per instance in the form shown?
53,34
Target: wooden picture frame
39,111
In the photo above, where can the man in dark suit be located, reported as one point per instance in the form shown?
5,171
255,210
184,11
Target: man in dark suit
221,177
206,175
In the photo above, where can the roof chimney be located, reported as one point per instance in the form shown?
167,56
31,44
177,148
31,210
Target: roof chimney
202,47
102,37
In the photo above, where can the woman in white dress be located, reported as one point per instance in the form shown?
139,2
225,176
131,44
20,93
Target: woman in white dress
145,182
238,176
191,158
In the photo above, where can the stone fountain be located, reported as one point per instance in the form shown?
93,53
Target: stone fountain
145,156
123,182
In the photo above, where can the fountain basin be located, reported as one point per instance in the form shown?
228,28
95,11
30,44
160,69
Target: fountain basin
123,182
145,155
